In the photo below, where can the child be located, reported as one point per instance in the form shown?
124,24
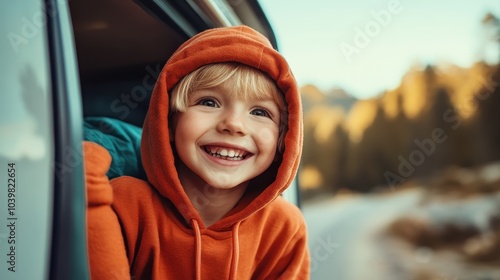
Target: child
221,141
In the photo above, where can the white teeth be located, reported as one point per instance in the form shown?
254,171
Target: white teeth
228,154
223,153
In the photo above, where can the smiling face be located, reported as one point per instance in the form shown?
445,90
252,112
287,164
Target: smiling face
226,141
225,125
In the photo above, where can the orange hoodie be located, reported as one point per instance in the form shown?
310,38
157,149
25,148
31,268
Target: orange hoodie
141,226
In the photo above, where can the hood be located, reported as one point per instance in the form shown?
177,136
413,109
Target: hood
234,44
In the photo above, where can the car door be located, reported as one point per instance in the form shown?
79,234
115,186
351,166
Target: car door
43,201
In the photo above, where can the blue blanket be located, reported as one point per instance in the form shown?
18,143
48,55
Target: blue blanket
121,139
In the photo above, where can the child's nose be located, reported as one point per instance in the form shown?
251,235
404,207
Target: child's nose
233,123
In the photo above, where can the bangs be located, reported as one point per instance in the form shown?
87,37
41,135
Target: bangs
243,82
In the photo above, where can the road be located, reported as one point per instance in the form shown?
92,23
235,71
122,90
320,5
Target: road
342,235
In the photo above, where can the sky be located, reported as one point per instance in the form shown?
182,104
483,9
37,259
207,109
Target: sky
366,46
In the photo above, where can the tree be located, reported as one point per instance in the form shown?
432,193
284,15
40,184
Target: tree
492,30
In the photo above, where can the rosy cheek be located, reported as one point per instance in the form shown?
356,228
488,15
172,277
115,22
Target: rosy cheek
268,137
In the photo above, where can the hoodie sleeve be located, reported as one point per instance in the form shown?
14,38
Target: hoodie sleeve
297,259
106,247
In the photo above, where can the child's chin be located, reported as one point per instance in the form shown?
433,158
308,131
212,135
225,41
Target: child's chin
227,184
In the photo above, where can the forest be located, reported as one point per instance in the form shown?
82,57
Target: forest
439,117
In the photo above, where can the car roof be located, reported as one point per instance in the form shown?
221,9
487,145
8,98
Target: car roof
114,37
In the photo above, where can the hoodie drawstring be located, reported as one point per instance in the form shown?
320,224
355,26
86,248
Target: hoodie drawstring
236,250
196,227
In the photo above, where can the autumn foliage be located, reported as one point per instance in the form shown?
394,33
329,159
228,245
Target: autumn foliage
438,116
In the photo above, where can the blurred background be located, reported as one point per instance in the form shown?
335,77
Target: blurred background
400,175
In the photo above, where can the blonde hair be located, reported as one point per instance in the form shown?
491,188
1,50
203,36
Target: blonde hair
248,83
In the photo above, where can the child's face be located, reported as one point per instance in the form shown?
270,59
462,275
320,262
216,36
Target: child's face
224,140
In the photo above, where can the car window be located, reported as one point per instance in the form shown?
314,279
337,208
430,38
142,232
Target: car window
26,143
63,62
122,48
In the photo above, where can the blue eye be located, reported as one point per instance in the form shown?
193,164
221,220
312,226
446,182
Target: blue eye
209,102
260,112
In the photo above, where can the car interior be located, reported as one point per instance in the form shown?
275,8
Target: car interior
121,46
